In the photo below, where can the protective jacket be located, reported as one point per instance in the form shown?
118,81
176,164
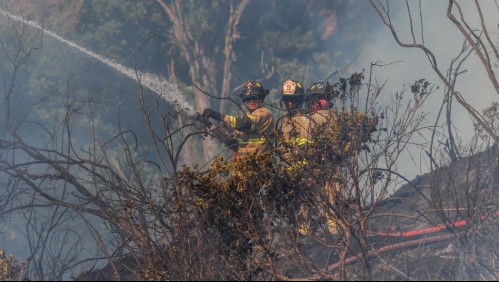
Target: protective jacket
295,132
319,117
253,131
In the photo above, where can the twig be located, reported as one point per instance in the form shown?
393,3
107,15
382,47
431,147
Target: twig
391,266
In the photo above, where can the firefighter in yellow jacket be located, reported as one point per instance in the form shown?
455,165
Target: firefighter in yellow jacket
254,130
294,126
294,132
318,103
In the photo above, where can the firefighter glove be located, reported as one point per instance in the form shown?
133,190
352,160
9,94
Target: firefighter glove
209,113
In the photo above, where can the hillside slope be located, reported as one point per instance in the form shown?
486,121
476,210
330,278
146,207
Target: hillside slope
441,226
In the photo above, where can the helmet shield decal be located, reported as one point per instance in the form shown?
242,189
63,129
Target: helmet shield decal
289,87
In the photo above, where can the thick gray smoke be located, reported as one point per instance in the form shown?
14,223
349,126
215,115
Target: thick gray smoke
405,65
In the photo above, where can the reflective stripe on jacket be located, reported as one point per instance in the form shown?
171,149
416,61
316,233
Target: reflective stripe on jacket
295,129
295,132
253,138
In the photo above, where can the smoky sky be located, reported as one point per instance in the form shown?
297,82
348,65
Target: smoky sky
405,65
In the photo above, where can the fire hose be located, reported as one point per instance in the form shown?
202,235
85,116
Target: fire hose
423,231
410,243
220,133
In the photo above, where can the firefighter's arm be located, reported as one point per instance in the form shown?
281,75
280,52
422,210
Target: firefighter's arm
258,120
239,123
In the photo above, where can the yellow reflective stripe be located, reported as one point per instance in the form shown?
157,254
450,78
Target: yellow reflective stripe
252,141
232,122
299,141
302,141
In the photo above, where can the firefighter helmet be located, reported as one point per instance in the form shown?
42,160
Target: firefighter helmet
318,88
253,89
318,91
292,88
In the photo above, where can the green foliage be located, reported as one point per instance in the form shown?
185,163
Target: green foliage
105,26
292,68
201,17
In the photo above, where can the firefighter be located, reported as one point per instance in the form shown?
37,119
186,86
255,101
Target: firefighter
318,104
294,125
293,128
253,130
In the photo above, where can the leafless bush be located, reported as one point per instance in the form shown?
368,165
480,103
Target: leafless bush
464,198
464,184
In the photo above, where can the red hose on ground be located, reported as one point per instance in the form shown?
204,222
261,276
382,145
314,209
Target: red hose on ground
418,231
424,230
392,247
407,243
373,253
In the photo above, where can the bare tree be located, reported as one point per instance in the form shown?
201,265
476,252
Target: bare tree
192,43
463,193
478,44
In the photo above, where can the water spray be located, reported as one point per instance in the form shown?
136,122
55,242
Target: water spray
153,82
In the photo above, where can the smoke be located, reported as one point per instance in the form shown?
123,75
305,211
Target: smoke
405,65
14,230
153,82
